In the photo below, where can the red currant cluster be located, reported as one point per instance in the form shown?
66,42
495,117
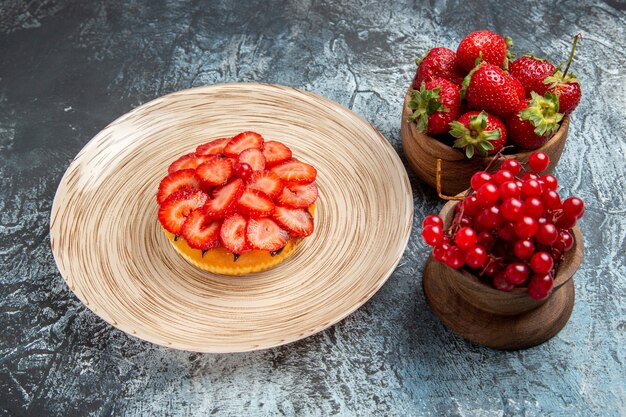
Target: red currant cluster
511,230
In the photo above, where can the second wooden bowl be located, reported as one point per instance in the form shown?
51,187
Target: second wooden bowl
422,152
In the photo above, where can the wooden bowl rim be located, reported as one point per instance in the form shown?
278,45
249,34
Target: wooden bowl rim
438,149
564,273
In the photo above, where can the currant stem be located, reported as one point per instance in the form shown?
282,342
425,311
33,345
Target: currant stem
571,54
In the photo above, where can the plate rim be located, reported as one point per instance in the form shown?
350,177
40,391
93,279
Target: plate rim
288,340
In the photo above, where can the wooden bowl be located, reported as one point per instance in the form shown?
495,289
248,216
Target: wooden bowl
422,152
502,320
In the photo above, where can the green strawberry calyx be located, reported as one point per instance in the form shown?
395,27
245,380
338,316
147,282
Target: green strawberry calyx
559,78
474,139
510,55
468,77
424,103
418,61
543,114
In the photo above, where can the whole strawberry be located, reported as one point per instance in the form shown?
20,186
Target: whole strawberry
488,46
438,63
478,132
531,71
565,86
534,122
435,105
489,88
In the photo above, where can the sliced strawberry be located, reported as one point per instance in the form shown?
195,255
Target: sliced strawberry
254,158
295,171
298,195
275,153
254,203
225,199
298,222
175,209
189,161
215,147
267,182
233,234
215,171
201,231
265,234
185,179
243,141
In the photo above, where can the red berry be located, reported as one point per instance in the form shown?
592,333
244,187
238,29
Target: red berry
479,179
533,207
476,257
492,90
432,235
529,176
549,182
488,219
465,238
512,209
503,176
455,257
488,194
435,104
438,63
243,170
488,46
547,234
512,166
471,206
565,222
432,220
509,190
540,286
567,239
507,232
551,200
516,273
462,221
574,207
491,269
531,188
523,249
526,227
500,282
531,71
439,251
485,239
539,161
541,262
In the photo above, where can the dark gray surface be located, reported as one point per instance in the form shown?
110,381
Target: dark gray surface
69,67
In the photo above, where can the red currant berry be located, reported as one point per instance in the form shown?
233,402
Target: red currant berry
512,209
529,176
455,257
500,282
462,221
488,219
503,176
539,161
533,207
432,235
242,170
439,251
488,195
526,227
516,273
565,222
465,238
531,188
512,166
471,206
486,239
523,249
476,257
491,268
541,220
540,286
479,179
541,262
509,190
574,207
432,220
507,232
551,200
547,234
549,182
567,239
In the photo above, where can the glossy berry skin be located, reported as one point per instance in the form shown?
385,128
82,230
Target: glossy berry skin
512,166
440,91
574,207
479,178
492,46
488,219
491,89
438,63
488,194
465,238
523,249
501,283
516,273
471,206
242,170
551,200
507,232
566,238
439,251
476,257
569,94
455,257
549,182
533,207
509,190
519,88
540,286
531,188
432,235
538,161
512,209
432,220
503,176
531,71
541,262
526,227
565,222
547,234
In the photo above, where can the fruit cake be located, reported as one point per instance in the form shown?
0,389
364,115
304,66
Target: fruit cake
238,205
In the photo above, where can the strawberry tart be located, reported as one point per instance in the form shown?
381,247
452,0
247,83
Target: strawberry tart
237,205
